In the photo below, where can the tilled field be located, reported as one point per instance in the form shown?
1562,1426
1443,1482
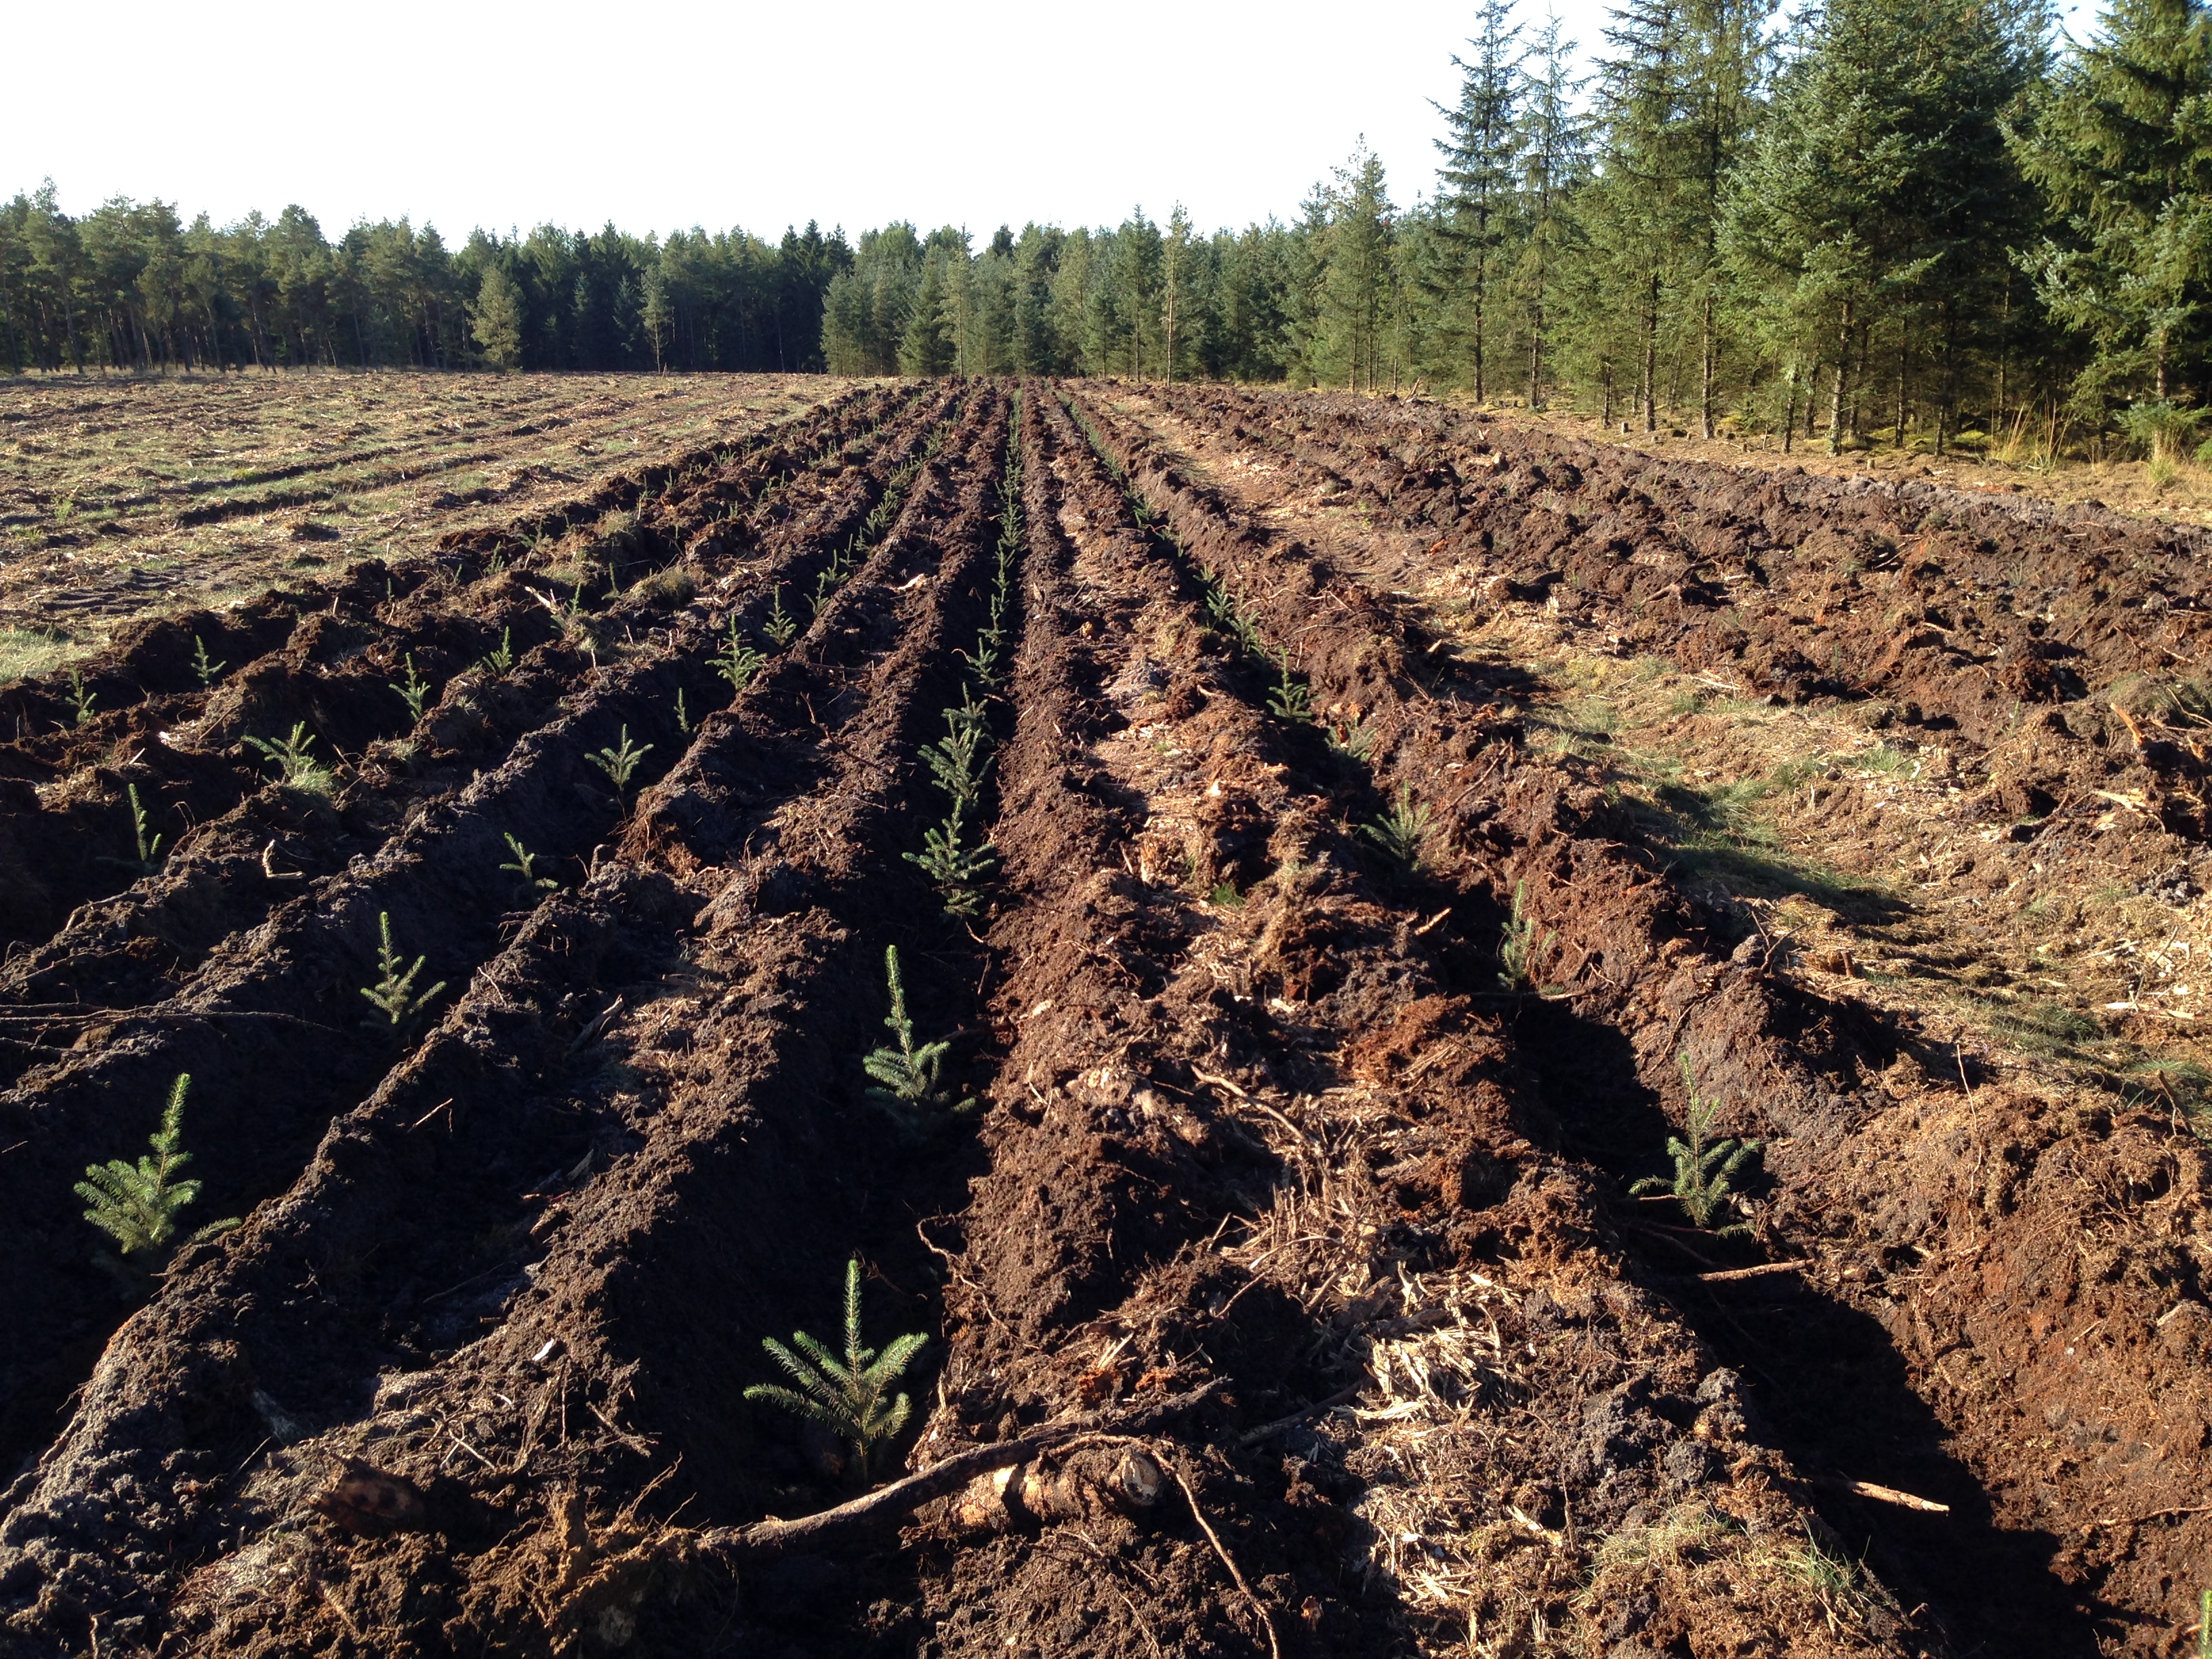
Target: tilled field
1284,1287
122,493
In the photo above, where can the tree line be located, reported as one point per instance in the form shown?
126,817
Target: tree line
1932,221
132,286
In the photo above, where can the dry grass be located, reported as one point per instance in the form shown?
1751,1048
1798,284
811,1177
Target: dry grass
119,496
2172,490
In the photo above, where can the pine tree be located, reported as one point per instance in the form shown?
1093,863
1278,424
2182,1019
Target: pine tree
1632,208
495,318
1880,168
1554,164
1358,285
2120,140
1725,57
1475,185
1176,262
927,346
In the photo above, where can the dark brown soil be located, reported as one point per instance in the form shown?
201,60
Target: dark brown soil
1307,1227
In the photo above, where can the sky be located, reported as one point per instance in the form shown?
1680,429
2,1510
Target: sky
664,114
661,114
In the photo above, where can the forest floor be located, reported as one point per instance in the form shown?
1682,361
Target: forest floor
123,493
1399,815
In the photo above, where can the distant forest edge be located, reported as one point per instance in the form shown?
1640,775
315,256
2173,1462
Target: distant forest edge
1933,222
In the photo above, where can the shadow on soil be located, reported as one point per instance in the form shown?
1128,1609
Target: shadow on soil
1828,1381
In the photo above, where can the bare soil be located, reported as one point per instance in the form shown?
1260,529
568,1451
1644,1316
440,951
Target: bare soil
1285,1289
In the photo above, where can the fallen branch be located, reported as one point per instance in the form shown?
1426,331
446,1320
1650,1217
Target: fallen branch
1730,1275
1267,1619
940,1479
1904,1500
1266,1431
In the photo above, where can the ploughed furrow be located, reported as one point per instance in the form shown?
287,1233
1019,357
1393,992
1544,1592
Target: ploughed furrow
143,752
468,703
269,1023
526,1278
2053,650
1212,1200
1958,1250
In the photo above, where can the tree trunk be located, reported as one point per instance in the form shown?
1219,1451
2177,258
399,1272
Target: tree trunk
1790,418
1901,381
1605,378
1651,355
1536,356
1706,391
1836,403
1481,389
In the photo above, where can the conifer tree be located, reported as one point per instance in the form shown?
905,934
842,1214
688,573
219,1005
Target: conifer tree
1632,200
2120,140
927,346
495,318
1553,169
1357,285
1175,264
1475,185
1879,168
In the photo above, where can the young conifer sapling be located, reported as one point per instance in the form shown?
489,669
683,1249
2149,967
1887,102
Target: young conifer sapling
1403,831
393,995
137,1205
851,1397
906,1078
414,690
620,763
524,869
1704,1167
296,768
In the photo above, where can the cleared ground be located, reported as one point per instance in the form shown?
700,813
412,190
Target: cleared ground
1394,816
121,495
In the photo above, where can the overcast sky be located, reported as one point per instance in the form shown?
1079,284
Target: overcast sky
661,114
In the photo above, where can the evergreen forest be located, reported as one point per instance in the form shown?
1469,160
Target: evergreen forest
1941,223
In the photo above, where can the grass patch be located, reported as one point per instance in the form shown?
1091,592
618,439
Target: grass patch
24,652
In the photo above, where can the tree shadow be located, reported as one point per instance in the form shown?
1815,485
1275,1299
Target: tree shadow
1829,1387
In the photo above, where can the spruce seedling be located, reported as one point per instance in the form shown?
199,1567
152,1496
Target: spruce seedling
1290,699
1357,742
956,760
1523,945
393,995
149,846
779,627
848,1397
737,661
207,671
80,698
496,663
905,1082
296,768
1703,1168
413,689
620,764
958,872
1402,831
683,714
136,1205
525,869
